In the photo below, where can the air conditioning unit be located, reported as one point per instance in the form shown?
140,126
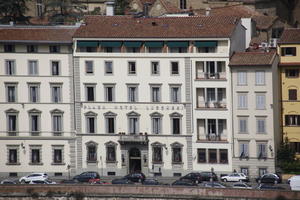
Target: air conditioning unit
263,45
273,42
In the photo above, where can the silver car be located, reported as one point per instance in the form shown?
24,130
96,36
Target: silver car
33,177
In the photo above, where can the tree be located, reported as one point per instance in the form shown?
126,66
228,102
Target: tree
121,6
63,11
14,10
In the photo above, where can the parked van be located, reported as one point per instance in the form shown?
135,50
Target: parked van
294,182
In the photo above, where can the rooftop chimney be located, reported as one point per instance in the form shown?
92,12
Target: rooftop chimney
146,9
207,11
110,7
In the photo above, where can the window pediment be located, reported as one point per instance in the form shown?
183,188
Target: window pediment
56,111
176,145
90,113
111,143
175,114
109,113
91,143
134,114
157,144
156,114
11,110
34,111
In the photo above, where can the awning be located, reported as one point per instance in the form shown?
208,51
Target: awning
206,43
132,44
177,44
87,44
154,44
110,44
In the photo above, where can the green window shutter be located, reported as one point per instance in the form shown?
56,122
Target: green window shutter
177,44
206,43
111,44
87,44
154,44
132,44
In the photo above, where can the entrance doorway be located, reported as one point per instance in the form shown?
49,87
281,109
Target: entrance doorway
135,162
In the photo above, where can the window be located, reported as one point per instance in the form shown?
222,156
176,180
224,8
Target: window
242,100
108,67
243,149
260,77
133,123
132,93
292,73
55,68
56,93
13,154
261,125
89,67
12,122
178,49
54,49
262,171
223,156
288,51
9,48
176,153
207,49
242,78
295,146
201,155
57,122
131,68
91,152
155,68
276,32
245,170
155,93
57,154
132,49
292,120
91,122
35,155
174,68
35,120
182,4
111,152
34,93
292,94
175,123
110,123
156,119
260,101
212,155
154,49
11,92
32,48
109,93
39,8
32,67
262,150
10,67
90,92
157,154
175,94
243,124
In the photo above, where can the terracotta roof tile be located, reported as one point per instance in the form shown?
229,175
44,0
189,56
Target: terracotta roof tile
290,35
163,27
252,58
170,8
42,34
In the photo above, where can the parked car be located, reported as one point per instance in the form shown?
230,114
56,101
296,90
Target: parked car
214,185
269,178
269,187
42,182
235,177
150,181
184,182
8,182
294,182
122,181
206,176
68,181
86,176
33,176
136,177
193,176
241,186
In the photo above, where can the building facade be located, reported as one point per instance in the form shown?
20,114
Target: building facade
255,111
289,49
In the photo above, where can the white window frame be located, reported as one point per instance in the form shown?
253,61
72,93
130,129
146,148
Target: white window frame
259,122
15,98
134,97
89,67
107,116
30,94
171,68
61,148
10,67
243,149
59,93
242,78
57,126
153,72
106,67
106,89
35,147
58,71
260,153
94,91
260,77
91,115
133,124
243,130
33,67
260,100
178,99
157,97
156,128
242,100
179,117
36,113
130,71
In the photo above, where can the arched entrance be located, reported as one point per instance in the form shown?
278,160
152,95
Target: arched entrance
135,164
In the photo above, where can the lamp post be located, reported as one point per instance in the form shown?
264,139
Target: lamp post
69,167
211,176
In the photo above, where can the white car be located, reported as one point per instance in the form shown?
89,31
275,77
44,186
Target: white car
235,177
47,181
33,176
294,182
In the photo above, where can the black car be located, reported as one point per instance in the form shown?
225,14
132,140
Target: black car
150,181
121,181
269,187
269,178
206,176
184,182
137,177
193,176
86,176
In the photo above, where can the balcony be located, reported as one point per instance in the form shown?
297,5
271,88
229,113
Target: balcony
210,70
211,98
133,138
212,130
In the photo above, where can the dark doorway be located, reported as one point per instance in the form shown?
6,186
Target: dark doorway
135,164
